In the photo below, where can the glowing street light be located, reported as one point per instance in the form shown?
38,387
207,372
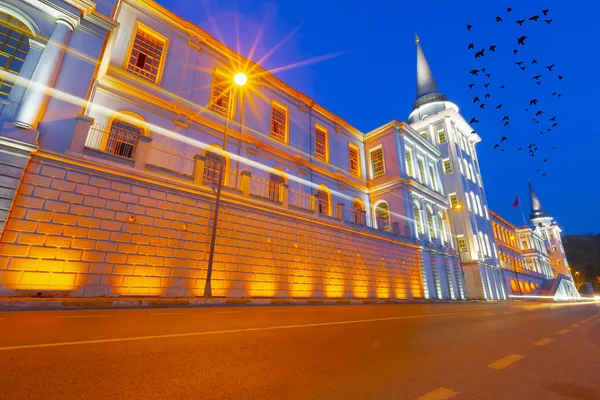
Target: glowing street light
240,80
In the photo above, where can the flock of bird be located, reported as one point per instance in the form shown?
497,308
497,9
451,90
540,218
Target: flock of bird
540,121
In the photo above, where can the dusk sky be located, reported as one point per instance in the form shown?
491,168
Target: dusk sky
373,80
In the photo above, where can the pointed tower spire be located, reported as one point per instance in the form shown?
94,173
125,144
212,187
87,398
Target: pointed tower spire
536,207
427,90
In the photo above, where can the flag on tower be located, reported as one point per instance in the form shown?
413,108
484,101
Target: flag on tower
516,203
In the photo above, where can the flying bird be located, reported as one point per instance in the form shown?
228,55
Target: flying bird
493,47
560,77
545,160
540,112
482,106
519,63
474,72
483,70
508,9
473,121
473,132
480,53
505,118
502,87
475,100
537,77
544,174
554,148
488,75
548,21
539,82
504,139
520,148
469,27
496,146
499,106
554,125
471,85
545,12
553,119
515,51
550,67
506,123
498,19
533,102
487,95
521,40
523,68
471,46
527,110
520,22
534,18
486,85
554,93
533,62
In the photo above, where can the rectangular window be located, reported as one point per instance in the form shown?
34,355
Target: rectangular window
219,100
321,143
353,159
442,136
147,54
447,166
377,165
421,164
409,164
432,174
424,135
279,122
462,243
453,200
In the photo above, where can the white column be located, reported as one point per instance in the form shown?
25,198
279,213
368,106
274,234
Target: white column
35,99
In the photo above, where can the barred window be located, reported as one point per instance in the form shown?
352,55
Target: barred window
14,47
453,200
409,164
447,166
442,136
432,174
322,202
212,167
354,160
418,219
219,101
377,164
421,164
146,56
382,214
462,243
430,223
123,139
278,122
275,184
357,208
321,144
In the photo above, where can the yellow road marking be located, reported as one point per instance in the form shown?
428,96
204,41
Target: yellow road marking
543,342
84,316
506,361
220,332
439,394
563,331
171,313
229,312
276,311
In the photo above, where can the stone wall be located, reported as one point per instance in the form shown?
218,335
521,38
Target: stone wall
89,231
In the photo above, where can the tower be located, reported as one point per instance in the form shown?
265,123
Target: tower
438,121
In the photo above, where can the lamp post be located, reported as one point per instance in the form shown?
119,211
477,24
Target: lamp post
239,80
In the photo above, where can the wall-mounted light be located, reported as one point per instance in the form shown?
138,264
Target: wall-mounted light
131,218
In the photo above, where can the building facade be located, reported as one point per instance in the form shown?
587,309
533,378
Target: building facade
110,181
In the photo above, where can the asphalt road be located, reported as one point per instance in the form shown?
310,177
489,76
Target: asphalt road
431,352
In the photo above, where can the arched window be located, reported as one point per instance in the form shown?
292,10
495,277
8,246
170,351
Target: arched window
487,245
474,203
382,215
472,173
418,219
14,47
482,243
123,139
357,211
323,201
276,181
468,201
212,167
479,205
466,166
513,286
442,227
430,223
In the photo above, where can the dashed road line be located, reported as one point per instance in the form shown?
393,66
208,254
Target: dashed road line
575,326
171,313
83,316
345,308
439,394
506,361
316,309
229,312
543,342
278,311
563,331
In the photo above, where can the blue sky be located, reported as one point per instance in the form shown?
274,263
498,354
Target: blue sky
373,81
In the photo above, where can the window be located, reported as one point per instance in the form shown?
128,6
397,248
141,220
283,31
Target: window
212,167
377,165
418,220
453,200
479,205
321,143
354,160
278,122
219,99
409,164
442,136
442,228
466,169
382,215
525,245
447,166
430,223
432,174
474,203
276,182
357,211
147,53
123,139
421,165
424,135
487,245
473,178
323,202
14,47
462,243
468,201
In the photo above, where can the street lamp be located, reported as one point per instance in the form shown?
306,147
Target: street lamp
239,79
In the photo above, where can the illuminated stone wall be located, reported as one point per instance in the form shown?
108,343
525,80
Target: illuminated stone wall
98,233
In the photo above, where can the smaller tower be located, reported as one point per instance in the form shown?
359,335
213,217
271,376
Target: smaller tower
538,216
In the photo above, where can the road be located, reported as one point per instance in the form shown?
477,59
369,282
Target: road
428,351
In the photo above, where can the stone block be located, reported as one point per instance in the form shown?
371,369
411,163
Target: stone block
95,202
116,258
88,222
128,198
53,172
14,250
140,191
109,225
132,281
43,252
62,279
80,210
87,190
45,193
32,238
19,225
120,187
106,246
72,198
111,280
108,194
23,264
29,202
59,241
35,279
99,182
58,206
77,177
83,244
69,254
104,214
61,185
116,206
127,248
93,256
98,234
120,237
